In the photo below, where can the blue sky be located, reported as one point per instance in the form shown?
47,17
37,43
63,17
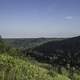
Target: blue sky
39,18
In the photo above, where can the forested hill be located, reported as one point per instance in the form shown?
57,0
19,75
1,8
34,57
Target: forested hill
64,53
28,42
70,44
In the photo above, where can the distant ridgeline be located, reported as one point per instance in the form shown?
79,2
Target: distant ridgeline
28,42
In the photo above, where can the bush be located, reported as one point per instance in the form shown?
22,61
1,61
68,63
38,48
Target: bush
61,77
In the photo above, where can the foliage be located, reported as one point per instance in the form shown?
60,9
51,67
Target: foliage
63,58
61,77
17,69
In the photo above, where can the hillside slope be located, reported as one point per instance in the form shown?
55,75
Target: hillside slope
17,69
70,44
64,53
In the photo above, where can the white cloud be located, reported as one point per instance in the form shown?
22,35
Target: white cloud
68,17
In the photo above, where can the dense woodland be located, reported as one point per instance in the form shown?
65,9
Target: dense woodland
40,59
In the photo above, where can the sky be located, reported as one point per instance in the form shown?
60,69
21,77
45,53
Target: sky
39,18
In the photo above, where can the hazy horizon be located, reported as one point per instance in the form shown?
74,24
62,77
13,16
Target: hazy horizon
39,18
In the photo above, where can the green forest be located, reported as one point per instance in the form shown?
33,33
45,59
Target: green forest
40,59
